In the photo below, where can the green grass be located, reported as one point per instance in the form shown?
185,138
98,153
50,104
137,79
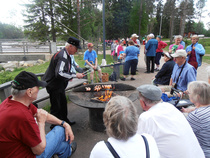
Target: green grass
206,59
207,49
9,76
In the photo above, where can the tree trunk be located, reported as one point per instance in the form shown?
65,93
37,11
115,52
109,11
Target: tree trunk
183,19
140,15
78,18
52,22
171,29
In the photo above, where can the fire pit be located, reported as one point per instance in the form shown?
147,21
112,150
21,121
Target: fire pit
93,96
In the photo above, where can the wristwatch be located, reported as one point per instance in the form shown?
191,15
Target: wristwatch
62,123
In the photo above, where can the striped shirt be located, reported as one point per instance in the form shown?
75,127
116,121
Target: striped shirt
199,120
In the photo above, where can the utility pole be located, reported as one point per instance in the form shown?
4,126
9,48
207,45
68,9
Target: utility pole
104,33
161,18
78,18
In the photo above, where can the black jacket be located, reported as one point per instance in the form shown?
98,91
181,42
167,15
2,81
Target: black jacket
164,75
59,71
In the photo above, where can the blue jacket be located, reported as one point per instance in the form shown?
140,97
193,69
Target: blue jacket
182,43
151,47
199,52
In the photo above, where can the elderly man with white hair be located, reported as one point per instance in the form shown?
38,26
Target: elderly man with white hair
195,52
151,46
23,125
183,73
169,127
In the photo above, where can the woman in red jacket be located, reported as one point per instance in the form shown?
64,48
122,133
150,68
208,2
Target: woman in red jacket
159,52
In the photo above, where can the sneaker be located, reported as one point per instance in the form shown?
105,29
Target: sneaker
123,79
133,78
157,69
73,148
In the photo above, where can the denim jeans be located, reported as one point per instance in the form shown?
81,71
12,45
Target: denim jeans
56,144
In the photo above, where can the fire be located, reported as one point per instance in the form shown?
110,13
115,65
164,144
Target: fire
100,96
106,97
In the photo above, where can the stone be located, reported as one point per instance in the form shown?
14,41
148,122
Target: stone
40,61
10,65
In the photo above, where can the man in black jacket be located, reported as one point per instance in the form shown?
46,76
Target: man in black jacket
57,77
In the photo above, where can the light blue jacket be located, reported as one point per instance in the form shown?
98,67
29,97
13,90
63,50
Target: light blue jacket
182,43
199,52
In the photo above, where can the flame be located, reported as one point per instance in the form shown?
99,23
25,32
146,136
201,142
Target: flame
107,96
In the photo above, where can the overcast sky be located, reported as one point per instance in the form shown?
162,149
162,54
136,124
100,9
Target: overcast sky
10,12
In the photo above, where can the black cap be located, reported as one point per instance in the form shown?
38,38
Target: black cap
25,80
74,41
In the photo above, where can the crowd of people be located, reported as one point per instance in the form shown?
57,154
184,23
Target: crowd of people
160,131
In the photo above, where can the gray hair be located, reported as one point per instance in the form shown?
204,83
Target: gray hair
151,35
148,101
178,36
195,36
18,93
200,90
67,44
120,118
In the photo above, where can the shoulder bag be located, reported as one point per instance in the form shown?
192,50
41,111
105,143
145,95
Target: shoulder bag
114,153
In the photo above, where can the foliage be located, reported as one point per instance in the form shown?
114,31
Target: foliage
50,20
37,27
134,19
10,32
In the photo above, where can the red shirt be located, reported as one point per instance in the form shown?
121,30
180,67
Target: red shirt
192,56
161,45
18,129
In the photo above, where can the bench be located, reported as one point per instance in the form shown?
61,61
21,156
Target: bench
5,89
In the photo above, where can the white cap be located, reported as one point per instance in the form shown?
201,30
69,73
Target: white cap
167,54
135,35
179,53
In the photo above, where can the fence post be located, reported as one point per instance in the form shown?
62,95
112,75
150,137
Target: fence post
27,47
53,48
24,50
1,47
